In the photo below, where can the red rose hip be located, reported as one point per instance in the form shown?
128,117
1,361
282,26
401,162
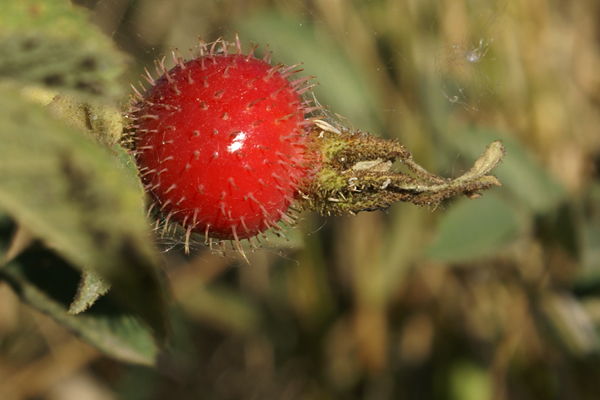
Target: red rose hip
223,146
220,143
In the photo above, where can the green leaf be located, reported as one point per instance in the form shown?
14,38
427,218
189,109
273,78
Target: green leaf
101,122
52,43
343,87
469,381
90,289
223,308
76,197
44,281
472,229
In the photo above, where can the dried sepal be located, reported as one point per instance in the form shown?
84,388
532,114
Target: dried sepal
355,174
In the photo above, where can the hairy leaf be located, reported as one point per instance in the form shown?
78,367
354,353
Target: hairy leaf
77,198
51,43
90,289
47,283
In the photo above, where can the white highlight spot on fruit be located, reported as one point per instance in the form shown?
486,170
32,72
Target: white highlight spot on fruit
237,142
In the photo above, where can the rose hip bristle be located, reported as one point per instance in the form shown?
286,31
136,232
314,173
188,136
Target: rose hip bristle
238,45
137,93
251,52
273,71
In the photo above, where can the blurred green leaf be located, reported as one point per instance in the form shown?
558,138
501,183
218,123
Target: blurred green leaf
469,381
342,87
51,43
474,228
223,308
47,283
77,198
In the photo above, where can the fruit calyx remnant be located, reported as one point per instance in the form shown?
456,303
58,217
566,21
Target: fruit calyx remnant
355,174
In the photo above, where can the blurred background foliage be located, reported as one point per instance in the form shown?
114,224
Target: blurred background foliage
494,298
